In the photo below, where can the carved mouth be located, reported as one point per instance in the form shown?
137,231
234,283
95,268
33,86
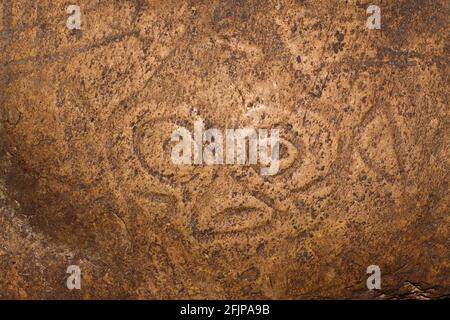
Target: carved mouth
243,215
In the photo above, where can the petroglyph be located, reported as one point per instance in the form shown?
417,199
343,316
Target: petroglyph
87,179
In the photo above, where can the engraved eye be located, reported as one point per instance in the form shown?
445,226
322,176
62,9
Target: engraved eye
152,146
308,147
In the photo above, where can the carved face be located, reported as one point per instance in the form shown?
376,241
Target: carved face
88,114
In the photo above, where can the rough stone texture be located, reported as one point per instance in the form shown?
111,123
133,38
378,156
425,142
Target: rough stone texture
86,176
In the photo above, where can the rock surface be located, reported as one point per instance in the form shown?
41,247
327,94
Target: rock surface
86,176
